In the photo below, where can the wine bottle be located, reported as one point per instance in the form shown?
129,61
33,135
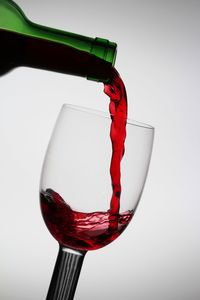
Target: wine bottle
24,43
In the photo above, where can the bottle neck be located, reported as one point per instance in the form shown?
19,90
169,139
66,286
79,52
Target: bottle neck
102,48
51,49
28,51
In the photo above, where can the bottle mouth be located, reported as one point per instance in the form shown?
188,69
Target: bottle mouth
104,49
103,56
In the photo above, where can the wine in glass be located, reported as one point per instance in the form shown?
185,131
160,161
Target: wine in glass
82,203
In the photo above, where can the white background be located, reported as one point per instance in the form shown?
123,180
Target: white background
159,59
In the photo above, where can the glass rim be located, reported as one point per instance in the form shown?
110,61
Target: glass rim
104,114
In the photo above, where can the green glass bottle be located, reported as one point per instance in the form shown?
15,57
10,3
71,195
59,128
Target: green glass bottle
24,43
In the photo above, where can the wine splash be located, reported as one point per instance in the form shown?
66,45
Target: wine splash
78,230
90,231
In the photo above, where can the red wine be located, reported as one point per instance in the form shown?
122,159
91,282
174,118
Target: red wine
78,230
115,89
89,231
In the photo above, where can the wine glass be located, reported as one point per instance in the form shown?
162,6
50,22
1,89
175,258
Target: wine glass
76,190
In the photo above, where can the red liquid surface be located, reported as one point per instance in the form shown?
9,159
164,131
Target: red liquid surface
78,230
89,231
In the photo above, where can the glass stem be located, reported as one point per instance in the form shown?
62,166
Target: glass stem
65,275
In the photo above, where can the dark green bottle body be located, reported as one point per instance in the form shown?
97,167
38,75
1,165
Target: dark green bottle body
24,43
